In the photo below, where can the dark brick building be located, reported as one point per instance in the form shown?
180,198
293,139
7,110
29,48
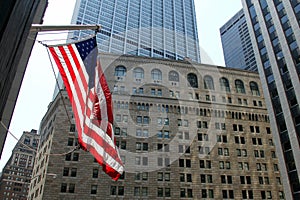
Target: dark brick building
17,173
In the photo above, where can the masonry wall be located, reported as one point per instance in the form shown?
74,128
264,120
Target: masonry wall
179,138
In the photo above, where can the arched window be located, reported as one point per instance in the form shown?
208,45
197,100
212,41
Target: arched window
239,86
192,79
254,89
156,75
224,84
209,83
173,76
120,71
138,73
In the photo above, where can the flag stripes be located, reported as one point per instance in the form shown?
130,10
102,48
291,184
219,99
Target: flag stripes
92,108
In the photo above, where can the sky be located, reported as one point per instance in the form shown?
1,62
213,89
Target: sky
39,80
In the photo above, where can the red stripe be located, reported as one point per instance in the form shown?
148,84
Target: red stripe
105,167
62,72
78,66
106,92
101,142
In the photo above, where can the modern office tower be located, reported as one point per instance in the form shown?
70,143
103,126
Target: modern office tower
274,29
158,28
184,131
237,47
16,175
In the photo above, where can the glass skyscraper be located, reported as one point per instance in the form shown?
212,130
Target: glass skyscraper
276,39
157,28
237,48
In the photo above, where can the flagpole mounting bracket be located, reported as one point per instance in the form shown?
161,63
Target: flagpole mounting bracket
43,28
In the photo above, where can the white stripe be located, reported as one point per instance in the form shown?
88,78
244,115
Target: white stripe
100,132
106,157
76,72
81,63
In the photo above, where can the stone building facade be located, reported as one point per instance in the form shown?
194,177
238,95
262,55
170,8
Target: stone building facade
16,174
185,131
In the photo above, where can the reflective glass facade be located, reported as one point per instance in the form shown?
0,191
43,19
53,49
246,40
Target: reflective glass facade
237,47
276,38
158,28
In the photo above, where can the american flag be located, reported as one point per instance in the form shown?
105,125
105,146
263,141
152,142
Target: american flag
91,101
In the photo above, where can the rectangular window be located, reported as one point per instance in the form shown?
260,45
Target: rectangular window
217,125
70,141
141,90
68,156
66,171
153,92
239,101
167,192
221,164
234,126
94,189
71,188
166,121
159,92
118,118
227,194
213,98
223,126
136,191
229,100
189,193
73,172
160,192
179,122
185,123
188,163
189,177
95,173
159,121
120,190
146,120
139,119
75,156
113,190
63,187
72,128
125,118
204,193
240,127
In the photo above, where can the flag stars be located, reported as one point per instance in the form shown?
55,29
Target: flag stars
85,48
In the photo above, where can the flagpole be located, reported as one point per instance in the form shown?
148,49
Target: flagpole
41,27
